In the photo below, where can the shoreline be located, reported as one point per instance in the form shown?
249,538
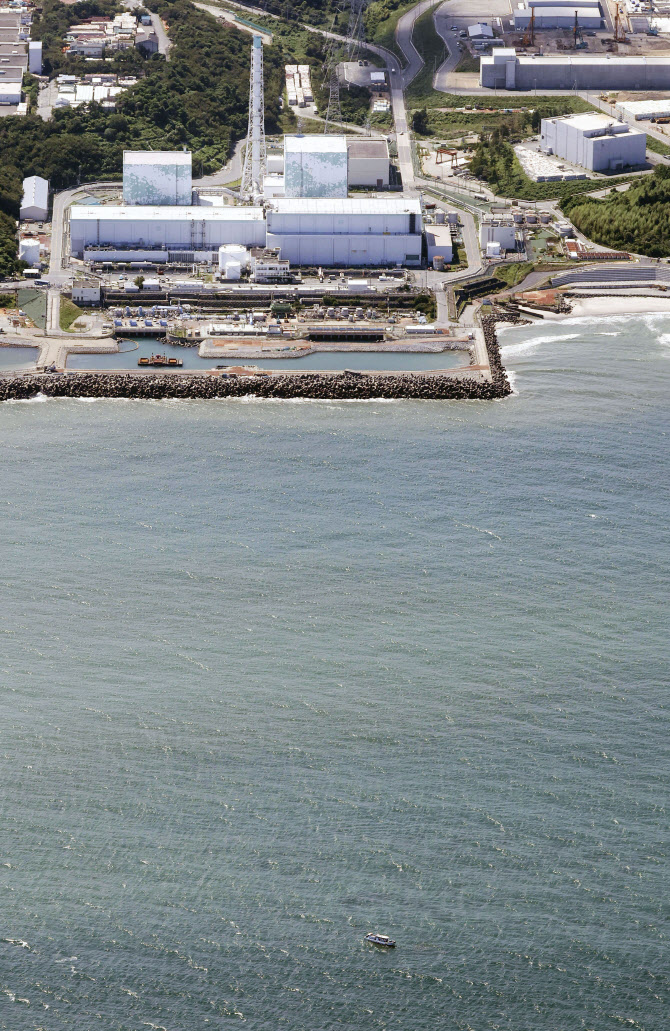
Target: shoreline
610,306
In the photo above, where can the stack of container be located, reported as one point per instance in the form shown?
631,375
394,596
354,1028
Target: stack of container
292,83
305,84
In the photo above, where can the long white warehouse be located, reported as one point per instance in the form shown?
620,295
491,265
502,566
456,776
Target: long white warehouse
558,17
504,69
181,229
593,141
348,232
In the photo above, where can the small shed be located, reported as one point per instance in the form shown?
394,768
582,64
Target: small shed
480,31
35,203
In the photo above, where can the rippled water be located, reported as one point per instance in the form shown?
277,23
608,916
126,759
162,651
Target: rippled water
279,673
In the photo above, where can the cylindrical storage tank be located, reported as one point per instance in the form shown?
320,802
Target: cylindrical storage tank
531,220
452,218
439,218
29,250
545,218
233,270
275,163
518,216
438,262
232,252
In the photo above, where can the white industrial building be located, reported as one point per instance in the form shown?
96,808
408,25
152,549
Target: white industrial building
368,163
502,232
505,69
349,232
561,3
558,17
157,177
480,30
643,109
594,141
176,231
439,243
35,202
315,166
35,57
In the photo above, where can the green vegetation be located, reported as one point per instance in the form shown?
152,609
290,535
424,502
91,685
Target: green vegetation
637,220
7,300
496,163
657,146
468,63
514,273
30,87
381,19
69,313
432,50
52,25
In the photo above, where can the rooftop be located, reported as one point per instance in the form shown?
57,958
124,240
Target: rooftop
368,148
157,157
348,206
168,213
316,144
589,122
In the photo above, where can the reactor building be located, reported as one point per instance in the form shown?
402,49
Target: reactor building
157,177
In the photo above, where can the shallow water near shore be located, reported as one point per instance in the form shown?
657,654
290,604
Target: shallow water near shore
279,673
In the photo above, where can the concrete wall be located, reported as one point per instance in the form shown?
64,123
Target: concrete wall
347,249
503,70
311,223
192,232
372,172
503,234
563,18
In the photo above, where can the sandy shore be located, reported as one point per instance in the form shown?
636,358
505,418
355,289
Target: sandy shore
590,307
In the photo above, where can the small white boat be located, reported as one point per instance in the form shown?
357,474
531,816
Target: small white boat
380,939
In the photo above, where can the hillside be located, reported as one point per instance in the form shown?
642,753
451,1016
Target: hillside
637,220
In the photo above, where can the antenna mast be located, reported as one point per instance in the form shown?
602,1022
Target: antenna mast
255,162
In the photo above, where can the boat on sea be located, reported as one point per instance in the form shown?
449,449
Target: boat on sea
160,360
380,939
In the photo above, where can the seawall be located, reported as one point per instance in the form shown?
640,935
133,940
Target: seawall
344,385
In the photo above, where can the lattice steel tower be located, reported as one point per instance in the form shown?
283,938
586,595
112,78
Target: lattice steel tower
255,159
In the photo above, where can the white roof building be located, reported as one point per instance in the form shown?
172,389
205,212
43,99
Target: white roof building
594,141
480,31
35,202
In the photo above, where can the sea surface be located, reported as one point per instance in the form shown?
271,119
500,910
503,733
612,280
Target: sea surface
275,674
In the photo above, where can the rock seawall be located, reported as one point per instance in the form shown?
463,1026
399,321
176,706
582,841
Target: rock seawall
429,386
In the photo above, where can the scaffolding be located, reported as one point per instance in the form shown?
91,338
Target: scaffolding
255,156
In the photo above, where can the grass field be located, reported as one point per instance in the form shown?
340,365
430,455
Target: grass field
657,146
433,51
69,313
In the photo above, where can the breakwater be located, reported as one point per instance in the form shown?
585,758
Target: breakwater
324,386
499,379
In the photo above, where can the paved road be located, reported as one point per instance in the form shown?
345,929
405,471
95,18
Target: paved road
164,43
443,21
218,12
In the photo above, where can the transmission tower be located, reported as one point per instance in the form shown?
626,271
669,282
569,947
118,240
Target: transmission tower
334,112
355,28
255,155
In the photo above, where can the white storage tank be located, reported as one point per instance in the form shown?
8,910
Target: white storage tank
232,270
29,250
233,252
438,262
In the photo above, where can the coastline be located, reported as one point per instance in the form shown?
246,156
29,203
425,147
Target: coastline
609,305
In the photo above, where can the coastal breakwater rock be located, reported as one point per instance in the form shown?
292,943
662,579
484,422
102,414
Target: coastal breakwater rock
499,378
333,386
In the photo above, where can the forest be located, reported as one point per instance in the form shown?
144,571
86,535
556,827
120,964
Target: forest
198,99
637,220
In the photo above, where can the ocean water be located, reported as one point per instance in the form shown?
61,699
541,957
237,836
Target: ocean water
276,674
131,350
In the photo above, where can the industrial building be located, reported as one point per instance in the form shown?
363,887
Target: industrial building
593,141
157,177
349,232
368,163
643,109
497,231
315,166
558,17
178,233
439,244
35,202
504,69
